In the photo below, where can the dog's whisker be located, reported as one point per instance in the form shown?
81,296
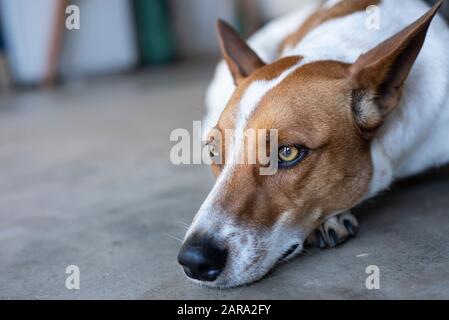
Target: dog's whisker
173,237
181,222
182,225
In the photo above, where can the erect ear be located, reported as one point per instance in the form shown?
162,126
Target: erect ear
379,75
241,59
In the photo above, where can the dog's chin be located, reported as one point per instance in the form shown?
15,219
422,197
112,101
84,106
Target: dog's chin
228,281
232,283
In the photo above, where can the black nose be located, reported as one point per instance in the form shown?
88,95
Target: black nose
202,259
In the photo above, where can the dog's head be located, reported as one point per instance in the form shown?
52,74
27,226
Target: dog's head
325,114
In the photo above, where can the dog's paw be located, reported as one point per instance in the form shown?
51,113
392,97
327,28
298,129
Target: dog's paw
334,231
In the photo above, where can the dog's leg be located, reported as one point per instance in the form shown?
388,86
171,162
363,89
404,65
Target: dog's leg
334,231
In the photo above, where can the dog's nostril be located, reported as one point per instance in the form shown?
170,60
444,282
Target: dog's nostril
209,272
213,273
202,260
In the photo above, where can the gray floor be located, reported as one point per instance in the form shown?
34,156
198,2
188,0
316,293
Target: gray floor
85,179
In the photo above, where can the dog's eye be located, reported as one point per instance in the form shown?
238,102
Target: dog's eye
213,151
290,156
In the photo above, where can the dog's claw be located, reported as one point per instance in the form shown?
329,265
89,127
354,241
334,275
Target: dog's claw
351,229
334,231
333,240
318,240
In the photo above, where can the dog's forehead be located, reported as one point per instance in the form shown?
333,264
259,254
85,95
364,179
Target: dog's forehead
247,96
314,92
287,94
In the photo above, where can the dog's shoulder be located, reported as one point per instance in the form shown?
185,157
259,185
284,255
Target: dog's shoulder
328,11
343,30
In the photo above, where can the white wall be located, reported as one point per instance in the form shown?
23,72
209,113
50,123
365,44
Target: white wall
27,29
106,41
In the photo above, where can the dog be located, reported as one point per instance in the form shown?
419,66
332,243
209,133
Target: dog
355,109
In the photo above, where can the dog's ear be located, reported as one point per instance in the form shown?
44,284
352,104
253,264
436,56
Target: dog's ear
378,76
241,59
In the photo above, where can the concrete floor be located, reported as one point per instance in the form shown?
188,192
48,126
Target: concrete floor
85,179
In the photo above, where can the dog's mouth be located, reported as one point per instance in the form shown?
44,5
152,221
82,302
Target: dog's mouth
289,252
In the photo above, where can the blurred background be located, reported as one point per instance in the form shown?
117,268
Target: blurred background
85,174
117,35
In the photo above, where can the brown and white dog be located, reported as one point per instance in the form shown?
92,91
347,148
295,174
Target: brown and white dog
355,108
